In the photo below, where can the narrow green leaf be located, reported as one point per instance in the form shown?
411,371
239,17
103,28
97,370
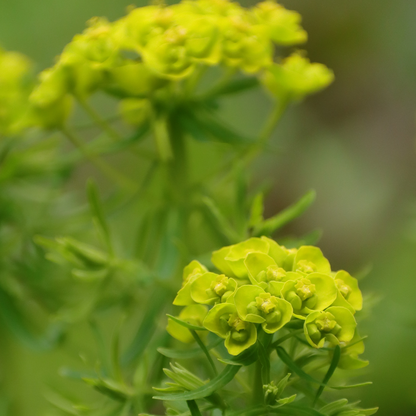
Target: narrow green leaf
351,386
192,127
333,407
186,324
162,138
109,388
369,412
105,360
186,354
205,350
98,212
208,389
272,224
285,401
257,209
290,409
283,383
17,323
220,221
300,410
217,130
147,327
330,372
239,85
193,408
285,357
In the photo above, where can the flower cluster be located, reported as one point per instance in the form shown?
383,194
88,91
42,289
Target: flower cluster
263,284
139,57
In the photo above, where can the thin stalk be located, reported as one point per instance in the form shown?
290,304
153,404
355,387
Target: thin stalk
272,122
177,165
100,164
228,74
101,122
190,86
284,338
105,126
193,408
205,350
266,132
237,377
246,156
257,384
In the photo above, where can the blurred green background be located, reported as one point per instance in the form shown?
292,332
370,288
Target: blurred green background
354,143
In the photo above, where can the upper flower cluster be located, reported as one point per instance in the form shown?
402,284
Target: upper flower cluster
143,53
264,284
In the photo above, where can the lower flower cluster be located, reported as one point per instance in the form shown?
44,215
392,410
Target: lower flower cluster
262,285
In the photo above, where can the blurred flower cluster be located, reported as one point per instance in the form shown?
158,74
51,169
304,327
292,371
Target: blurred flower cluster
158,52
263,283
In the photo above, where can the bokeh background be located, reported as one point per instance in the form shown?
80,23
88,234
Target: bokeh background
354,144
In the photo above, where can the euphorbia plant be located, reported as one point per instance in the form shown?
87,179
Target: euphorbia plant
271,314
259,326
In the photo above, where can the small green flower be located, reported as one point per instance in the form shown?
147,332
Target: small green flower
193,270
296,77
335,325
133,79
265,272
142,24
283,26
203,35
255,305
309,259
167,56
283,256
245,45
315,292
224,321
349,295
192,314
230,259
210,288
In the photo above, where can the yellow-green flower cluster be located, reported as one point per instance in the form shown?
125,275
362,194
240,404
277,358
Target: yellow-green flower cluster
15,85
263,284
141,55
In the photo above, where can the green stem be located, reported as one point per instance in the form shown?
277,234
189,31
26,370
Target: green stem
100,164
205,350
257,384
101,122
237,377
193,408
177,164
272,122
228,74
194,79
